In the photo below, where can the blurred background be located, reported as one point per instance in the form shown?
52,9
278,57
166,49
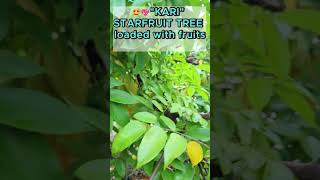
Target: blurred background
266,89
53,90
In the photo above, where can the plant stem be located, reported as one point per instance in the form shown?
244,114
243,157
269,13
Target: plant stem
189,137
154,173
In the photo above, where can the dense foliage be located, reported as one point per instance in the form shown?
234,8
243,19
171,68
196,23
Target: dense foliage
158,105
171,94
266,67
52,90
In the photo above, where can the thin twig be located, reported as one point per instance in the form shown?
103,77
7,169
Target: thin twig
189,137
78,58
154,173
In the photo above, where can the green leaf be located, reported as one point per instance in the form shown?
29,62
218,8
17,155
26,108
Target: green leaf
179,176
155,68
93,170
203,93
297,102
223,35
191,90
120,167
122,97
64,9
148,168
162,100
27,156
94,117
175,108
144,101
244,129
175,146
119,114
202,134
4,18
311,146
254,159
205,67
290,130
240,14
151,145
167,174
196,117
127,136
251,35
41,36
13,66
158,105
276,47
276,170
195,77
145,117
168,122
187,174
35,111
178,165
224,124
89,23
115,83
140,60
221,16
218,69
298,17
259,92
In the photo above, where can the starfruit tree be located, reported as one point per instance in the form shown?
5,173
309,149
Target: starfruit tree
159,115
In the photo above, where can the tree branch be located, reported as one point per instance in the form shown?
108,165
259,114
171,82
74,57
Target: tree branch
189,137
156,169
